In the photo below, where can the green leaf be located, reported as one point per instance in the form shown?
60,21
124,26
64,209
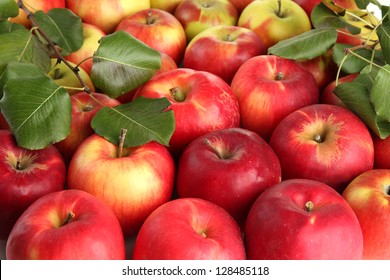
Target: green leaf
380,93
8,8
63,27
307,45
36,108
383,32
145,119
22,46
122,63
362,4
6,26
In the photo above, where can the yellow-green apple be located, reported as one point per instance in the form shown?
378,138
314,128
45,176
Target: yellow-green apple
25,176
66,225
369,196
322,67
34,6
323,142
167,63
229,167
198,15
84,108
275,20
189,229
106,14
240,4
222,49
63,76
133,182
201,102
92,34
381,152
166,5
268,88
328,96
302,219
158,29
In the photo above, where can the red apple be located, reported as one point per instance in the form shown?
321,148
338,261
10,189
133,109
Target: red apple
92,35
301,219
36,5
369,196
268,88
381,152
323,142
308,5
198,15
189,229
229,167
158,29
274,20
240,4
133,182
3,122
66,225
106,14
201,102
25,176
167,63
327,95
222,49
166,5
84,108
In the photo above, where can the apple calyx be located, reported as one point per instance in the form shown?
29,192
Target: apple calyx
88,107
68,218
387,190
309,206
319,138
221,153
177,94
150,20
203,233
279,76
122,138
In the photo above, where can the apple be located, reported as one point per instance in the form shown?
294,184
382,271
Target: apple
166,5
92,35
369,196
189,229
3,122
133,181
167,63
106,14
66,225
198,15
63,76
323,142
34,6
201,102
222,49
302,219
308,5
25,176
229,167
268,88
327,96
274,20
84,108
158,29
240,4
381,152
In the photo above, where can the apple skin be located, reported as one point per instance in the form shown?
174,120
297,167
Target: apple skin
268,88
92,35
189,229
369,196
240,4
62,75
198,15
281,226
3,122
132,185
201,102
166,5
263,18
36,5
40,172
381,152
222,49
106,14
323,142
41,231
84,108
158,29
229,167
308,5
327,95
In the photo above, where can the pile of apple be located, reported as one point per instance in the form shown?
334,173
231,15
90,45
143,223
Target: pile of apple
265,161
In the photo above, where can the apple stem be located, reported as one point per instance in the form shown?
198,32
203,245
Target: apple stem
68,218
149,19
177,94
122,138
309,206
279,8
